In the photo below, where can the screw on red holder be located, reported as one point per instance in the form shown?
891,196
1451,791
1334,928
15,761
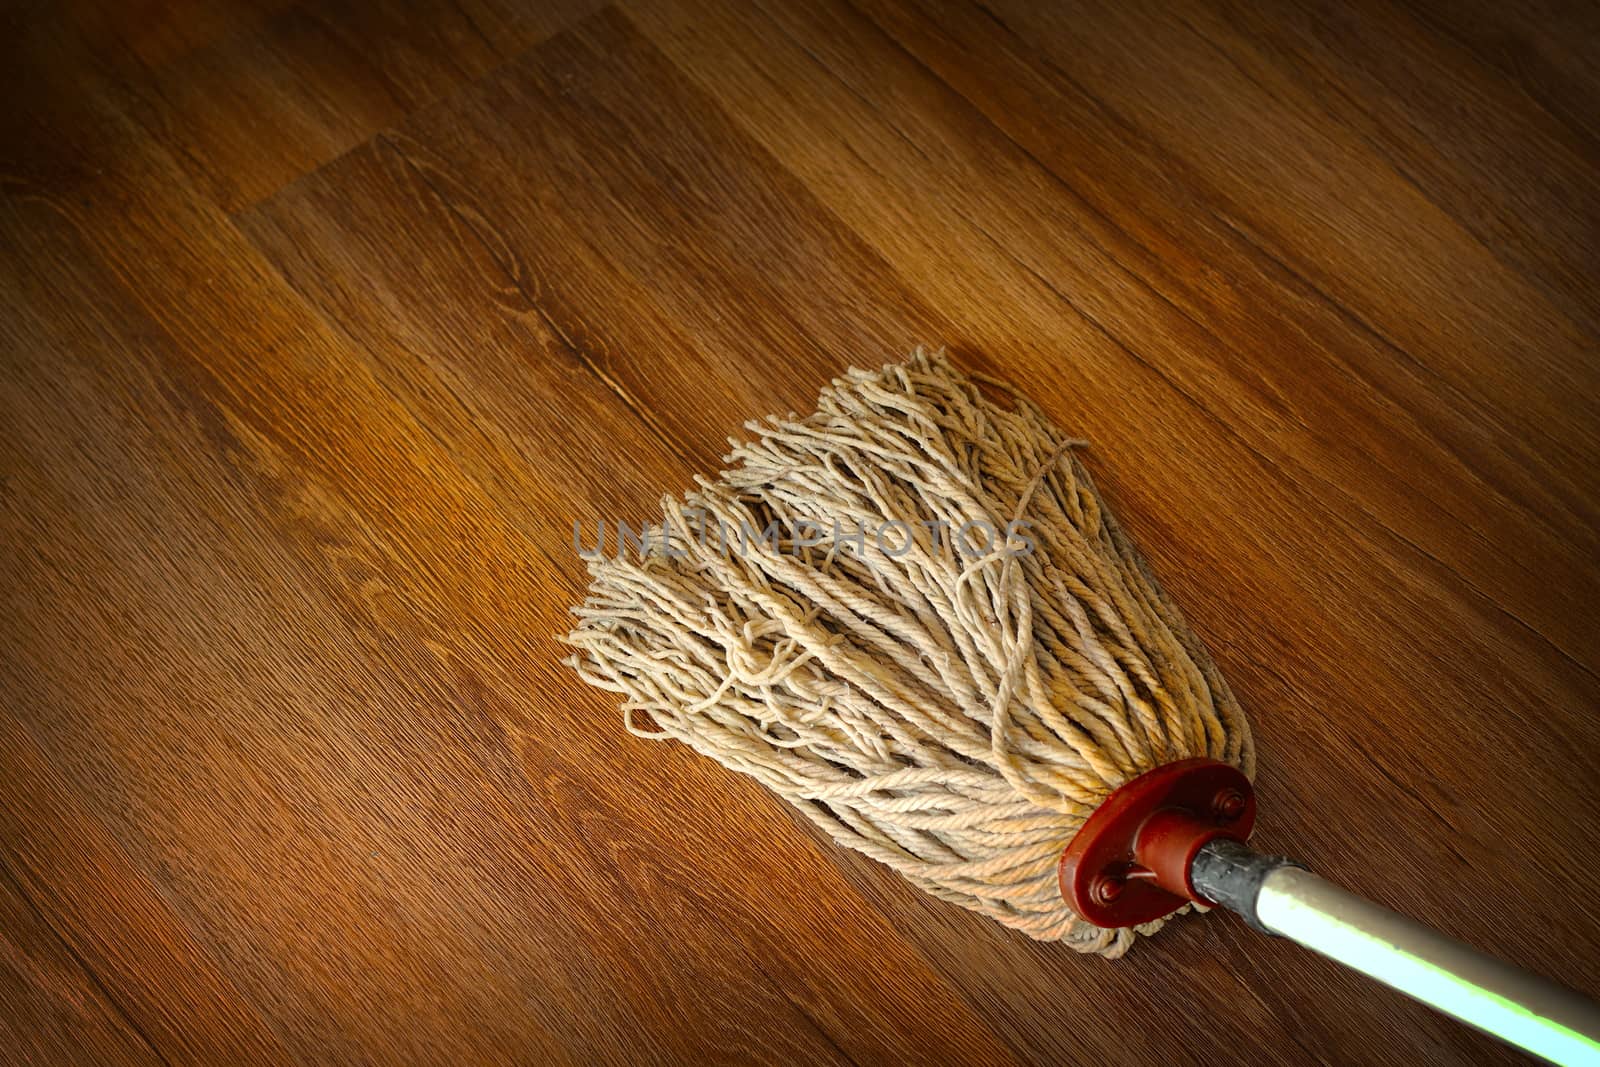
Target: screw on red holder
1129,864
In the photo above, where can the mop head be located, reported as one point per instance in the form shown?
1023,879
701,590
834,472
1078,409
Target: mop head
910,615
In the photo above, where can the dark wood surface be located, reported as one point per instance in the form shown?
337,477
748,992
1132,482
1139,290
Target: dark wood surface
322,323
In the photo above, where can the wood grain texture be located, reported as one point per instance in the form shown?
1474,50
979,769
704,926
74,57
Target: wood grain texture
324,322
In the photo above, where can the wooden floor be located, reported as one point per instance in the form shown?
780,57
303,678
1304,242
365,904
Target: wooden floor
323,322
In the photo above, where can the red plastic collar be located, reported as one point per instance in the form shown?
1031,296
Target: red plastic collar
1129,864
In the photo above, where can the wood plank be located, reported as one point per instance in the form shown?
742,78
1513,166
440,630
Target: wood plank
253,110
126,935
54,1008
1510,173
154,993
1339,212
143,35
1547,49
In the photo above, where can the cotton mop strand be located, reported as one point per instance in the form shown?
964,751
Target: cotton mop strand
910,615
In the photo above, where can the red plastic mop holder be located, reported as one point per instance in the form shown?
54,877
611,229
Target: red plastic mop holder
1129,864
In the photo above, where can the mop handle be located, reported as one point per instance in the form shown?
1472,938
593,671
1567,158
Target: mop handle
1280,897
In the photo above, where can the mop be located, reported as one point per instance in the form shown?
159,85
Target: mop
911,615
